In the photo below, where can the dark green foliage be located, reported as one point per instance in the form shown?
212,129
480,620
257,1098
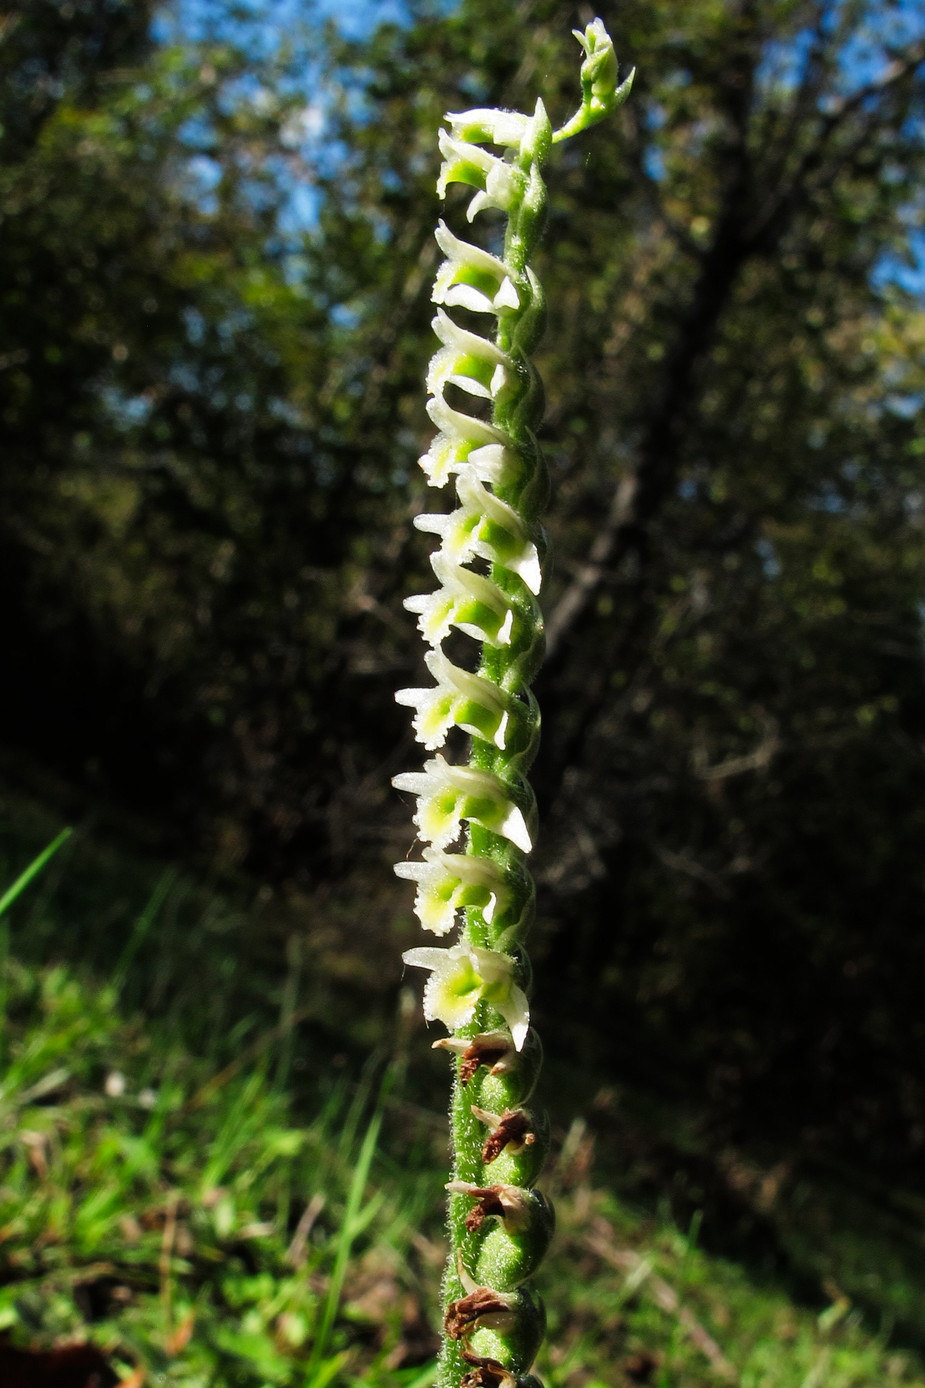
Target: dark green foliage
209,428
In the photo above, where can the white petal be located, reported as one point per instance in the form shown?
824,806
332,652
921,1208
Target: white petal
494,463
516,1012
426,957
507,295
492,965
467,296
496,127
463,426
415,871
465,152
480,203
515,828
435,524
451,335
462,253
414,781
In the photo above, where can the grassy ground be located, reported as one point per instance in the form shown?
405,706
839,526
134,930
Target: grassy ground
202,1179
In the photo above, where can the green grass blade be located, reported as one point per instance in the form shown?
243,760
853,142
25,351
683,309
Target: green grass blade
34,868
329,1370
315,1376
143,925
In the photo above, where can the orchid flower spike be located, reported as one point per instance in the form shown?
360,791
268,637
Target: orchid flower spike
475,812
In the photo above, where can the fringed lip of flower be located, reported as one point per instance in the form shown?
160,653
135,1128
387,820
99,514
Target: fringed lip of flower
465,975
448,794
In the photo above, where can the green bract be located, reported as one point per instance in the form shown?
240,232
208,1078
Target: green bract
476,817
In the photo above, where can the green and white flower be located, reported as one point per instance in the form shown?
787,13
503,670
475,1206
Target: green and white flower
466,600
446,882
465,975
498,182
448,794
485,527
459,699
467,361
472,278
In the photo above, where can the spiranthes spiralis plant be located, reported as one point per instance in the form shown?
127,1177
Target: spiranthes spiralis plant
476,817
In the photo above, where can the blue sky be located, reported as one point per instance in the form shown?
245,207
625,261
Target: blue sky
196,18
894,26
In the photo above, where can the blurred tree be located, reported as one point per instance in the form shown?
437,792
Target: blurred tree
732,770
211,411
179,517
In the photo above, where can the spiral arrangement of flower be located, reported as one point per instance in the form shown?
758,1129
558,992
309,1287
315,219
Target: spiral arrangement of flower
476,817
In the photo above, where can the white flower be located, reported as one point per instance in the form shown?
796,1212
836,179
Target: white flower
465,975
446,455
492,462
471,278
459,699
485,527
483,126
459,436
498,183
449,794
466,600
448,881
466,360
